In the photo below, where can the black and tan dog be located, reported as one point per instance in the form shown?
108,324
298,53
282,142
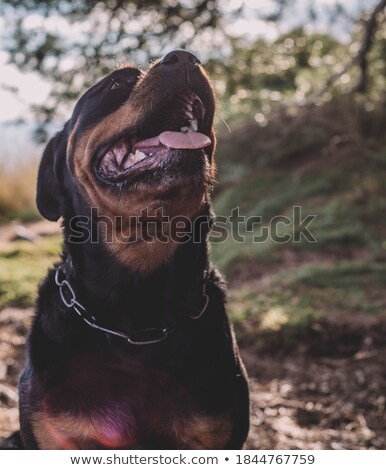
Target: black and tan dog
131,347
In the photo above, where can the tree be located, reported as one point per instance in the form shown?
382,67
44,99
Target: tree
72,43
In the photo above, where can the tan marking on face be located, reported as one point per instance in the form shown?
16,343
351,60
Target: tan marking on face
71,139
143,256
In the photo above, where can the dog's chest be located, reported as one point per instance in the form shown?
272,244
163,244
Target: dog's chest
102,404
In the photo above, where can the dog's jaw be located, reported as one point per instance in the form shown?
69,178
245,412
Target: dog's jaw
169,182
176,124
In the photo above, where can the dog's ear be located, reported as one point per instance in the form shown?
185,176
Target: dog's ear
50,192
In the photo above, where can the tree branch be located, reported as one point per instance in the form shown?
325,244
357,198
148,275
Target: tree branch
367,42
361,59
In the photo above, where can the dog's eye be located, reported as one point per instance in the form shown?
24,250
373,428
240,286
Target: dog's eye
119,84
116,84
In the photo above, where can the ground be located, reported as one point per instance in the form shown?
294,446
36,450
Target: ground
305,399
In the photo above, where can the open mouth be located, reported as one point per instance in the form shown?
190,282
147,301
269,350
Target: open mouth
178,125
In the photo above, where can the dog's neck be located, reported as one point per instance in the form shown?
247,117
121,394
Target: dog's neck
128,298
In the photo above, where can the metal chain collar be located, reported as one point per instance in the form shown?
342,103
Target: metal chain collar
138,338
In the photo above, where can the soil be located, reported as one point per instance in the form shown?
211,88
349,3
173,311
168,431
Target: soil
321,395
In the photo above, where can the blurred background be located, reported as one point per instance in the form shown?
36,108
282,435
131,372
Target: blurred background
301,88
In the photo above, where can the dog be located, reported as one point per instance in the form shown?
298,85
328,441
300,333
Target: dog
131,346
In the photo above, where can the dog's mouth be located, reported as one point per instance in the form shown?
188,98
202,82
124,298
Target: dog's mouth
179,127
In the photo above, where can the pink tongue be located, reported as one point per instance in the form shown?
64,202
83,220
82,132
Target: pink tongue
176,140
184,140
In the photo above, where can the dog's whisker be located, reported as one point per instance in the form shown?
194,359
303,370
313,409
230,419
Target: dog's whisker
226,124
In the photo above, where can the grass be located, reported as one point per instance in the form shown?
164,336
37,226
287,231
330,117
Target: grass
17,193
23,266
296,298
344,188
332,163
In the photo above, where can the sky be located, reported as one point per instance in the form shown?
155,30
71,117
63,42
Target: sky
32,89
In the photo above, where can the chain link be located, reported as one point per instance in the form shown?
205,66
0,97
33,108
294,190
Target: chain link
160,334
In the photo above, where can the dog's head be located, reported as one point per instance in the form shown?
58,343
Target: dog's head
136,141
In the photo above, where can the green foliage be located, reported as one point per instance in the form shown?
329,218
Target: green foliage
296,298
72,44
258,77
345,191
23,266
330,161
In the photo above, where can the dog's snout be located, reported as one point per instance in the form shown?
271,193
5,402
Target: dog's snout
180,59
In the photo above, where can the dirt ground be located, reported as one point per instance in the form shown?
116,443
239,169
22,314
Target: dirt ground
329,393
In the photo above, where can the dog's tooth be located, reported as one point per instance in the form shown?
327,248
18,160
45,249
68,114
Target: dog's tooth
128,163
185,129
134,158
120,152
140,154
137,156
194,125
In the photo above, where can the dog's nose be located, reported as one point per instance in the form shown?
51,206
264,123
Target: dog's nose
179,58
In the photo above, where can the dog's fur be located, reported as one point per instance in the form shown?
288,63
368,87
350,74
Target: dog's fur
82,388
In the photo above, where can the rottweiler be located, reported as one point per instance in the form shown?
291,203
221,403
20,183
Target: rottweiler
131,346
